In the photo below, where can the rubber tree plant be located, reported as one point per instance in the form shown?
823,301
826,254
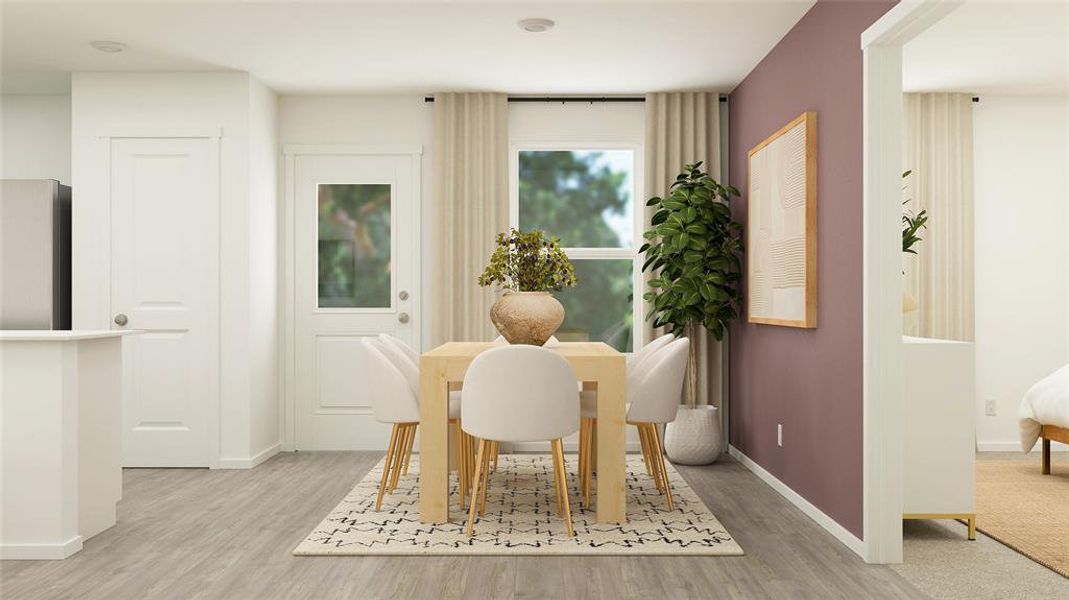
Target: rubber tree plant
693,250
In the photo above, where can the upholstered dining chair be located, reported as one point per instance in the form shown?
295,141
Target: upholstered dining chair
495,448
588,399
393,403
653,393
519,394
406,359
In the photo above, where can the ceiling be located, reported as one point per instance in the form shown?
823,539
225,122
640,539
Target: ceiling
605,47
1007,47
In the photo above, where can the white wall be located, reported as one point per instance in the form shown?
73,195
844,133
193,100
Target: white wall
264,271
1022,253
165,104
36,132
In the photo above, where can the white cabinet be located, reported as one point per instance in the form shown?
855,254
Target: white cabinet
61,419
940,428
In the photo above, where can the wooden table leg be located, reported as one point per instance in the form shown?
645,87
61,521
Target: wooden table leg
433,443
1046,456
611,449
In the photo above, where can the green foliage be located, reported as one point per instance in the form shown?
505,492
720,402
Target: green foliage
528,262
694,248
575,195
354,245
911,225
568,193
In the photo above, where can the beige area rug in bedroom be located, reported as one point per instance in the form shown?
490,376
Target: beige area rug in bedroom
520,518
1025,510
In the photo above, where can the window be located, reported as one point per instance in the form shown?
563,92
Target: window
586,197
354,245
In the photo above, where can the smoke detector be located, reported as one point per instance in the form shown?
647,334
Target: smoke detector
535,25
108,46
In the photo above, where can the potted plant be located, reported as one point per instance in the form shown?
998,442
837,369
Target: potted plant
528,266
911,226
693,249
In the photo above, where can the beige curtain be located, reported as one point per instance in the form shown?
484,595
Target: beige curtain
471,170
937,148
682,128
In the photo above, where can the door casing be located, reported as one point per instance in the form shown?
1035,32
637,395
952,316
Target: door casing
291,152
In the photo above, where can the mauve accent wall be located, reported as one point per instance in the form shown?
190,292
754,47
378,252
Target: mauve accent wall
809,380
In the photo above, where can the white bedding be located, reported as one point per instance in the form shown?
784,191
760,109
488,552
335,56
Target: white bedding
1047,403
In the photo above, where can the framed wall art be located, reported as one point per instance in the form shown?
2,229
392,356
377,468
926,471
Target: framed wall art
781,245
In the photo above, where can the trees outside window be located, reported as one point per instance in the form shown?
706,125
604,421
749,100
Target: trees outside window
585,197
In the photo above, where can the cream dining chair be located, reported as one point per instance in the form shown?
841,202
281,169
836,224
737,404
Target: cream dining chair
636,363
519,393
495,448
394,403
653,393
405,359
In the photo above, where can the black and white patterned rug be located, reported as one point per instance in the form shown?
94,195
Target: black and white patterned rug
521,518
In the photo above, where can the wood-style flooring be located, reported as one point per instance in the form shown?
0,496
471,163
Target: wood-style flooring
193,533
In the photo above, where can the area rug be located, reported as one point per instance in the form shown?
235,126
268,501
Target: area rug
520,519
1025,510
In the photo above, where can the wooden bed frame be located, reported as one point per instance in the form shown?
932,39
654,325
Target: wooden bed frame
1048,433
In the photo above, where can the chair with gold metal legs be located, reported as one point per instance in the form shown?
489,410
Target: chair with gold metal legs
519,394
390,384
653,392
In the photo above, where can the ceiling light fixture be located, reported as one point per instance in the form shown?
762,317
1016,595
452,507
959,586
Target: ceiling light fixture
108,46
535,25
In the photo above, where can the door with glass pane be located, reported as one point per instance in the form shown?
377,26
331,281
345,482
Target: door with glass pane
356,273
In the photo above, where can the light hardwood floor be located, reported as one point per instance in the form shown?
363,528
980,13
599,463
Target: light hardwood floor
186,533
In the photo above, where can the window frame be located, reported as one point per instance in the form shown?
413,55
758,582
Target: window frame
638,205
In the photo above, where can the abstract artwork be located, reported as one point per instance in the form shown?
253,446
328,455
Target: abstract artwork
781,227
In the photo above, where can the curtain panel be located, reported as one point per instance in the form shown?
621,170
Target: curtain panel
471,184
682,128
938,149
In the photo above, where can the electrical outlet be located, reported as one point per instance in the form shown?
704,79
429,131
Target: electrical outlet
779,434
991,407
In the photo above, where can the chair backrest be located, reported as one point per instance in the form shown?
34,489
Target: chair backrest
646,352
520,393
552,341
391,396
655,395
409,351
400,359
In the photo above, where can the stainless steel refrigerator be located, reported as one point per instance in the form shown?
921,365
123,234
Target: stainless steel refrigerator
35,254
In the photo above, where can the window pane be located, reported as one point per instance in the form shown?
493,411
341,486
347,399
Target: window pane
584,197
354,245
599,308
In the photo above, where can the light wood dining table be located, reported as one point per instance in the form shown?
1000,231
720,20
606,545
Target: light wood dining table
597,365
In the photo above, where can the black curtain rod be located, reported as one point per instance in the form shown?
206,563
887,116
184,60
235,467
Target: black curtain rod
563,99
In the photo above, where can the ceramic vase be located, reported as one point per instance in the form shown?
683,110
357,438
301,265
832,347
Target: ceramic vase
527,317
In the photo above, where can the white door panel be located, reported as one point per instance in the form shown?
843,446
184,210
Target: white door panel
356,274
164,279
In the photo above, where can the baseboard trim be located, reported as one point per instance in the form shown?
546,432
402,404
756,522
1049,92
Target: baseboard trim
252,461
840,533
1016,447
41,551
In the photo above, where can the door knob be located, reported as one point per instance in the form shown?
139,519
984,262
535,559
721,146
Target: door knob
403,317
120,319
403,295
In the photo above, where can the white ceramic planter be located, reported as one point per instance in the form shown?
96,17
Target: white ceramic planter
695,437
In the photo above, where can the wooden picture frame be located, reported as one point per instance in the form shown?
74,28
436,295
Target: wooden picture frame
781,228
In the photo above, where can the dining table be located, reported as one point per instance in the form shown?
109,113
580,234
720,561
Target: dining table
597,365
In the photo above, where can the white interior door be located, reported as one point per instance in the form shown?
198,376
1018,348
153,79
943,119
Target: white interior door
165,281
356,274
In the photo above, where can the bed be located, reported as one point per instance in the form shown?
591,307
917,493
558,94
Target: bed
1044,414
